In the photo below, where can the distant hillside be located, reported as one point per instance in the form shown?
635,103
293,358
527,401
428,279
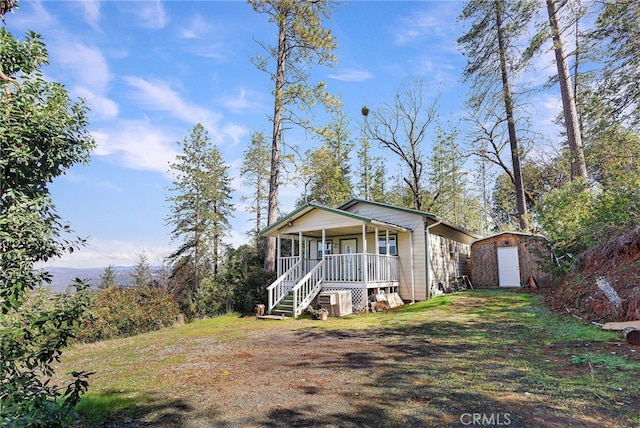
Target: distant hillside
62,277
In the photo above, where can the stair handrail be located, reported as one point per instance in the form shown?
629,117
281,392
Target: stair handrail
278,289
307,288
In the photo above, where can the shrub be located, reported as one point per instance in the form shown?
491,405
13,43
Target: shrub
122,312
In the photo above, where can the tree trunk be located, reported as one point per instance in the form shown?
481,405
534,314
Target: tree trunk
511,127
572,124
274,179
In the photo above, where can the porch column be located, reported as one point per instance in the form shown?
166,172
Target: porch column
278,258
365,268
300,247
413,284
387,254
377,244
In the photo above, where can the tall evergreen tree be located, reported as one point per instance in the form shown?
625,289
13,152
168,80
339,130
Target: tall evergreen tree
617,34
141,274
302,43
327,170
491,46
255,175
108,278
200,203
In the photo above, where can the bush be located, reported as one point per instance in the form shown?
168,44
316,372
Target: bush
31,339
581,214
122,312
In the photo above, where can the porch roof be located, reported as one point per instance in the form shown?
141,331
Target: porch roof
351,224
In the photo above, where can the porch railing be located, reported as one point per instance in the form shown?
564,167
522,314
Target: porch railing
285,263
307,288
283,285
349,268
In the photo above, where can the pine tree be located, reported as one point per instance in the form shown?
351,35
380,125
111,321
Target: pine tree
493,63
302,42
200,204
255,175
108,278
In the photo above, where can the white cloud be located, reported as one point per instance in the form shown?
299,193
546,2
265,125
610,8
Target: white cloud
86,64
351,75
138,145
158,95
102,253
424,24
240,101
197,29
91,12
151,14
101,107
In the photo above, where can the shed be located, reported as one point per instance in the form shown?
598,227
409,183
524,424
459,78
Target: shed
508,259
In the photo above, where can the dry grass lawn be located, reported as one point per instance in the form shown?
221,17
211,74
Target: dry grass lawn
493,357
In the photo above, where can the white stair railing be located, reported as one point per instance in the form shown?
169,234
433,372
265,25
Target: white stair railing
307,288
281,286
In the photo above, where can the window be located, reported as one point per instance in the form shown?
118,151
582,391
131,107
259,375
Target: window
393,245
328,246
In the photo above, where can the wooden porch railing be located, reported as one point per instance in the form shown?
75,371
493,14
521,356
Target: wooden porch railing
283,285
307,288
349,268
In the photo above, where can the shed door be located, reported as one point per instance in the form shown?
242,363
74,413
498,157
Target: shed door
508,267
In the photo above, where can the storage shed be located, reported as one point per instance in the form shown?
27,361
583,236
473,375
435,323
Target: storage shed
508,259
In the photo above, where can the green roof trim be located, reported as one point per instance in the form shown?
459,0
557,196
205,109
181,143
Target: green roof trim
355,201
307,208
431,216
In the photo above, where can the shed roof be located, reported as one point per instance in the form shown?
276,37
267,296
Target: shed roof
504,232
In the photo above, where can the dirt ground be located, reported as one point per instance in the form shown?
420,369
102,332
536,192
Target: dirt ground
617,262
431,375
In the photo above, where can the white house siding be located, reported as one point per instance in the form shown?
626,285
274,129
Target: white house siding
318,220
450,253
410,221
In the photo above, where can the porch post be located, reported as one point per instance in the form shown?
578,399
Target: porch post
377,244
413,284
365,268
278,258
300,246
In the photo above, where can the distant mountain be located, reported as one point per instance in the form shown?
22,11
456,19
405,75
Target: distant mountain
62,277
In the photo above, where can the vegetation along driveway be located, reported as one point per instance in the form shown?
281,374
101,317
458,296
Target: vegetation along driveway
479,358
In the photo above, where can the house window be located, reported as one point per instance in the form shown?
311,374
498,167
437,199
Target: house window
328,247
393,245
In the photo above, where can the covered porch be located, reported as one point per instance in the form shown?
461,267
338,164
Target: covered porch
324,249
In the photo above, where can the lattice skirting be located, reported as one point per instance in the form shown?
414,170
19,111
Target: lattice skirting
358,297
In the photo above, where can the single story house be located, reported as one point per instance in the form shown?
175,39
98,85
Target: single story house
364,247
509,259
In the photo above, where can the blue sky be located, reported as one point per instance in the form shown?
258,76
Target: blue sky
151,70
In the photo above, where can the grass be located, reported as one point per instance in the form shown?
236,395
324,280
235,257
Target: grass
424,364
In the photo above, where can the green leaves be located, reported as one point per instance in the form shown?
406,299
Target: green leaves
43,133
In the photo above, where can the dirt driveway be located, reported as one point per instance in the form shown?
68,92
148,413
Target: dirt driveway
463,372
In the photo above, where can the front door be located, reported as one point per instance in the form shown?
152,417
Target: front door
349,247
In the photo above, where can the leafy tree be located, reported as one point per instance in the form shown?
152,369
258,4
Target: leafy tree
302,43
255,174
491,46
402,127
43,133
200,204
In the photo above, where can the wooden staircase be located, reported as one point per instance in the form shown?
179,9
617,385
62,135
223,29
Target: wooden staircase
285,306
